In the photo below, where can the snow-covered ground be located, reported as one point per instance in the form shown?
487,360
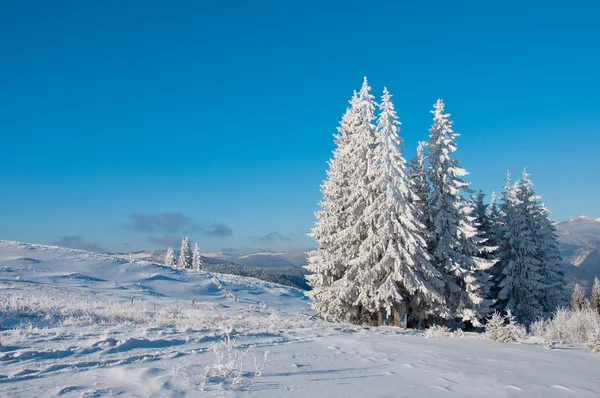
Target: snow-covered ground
83,324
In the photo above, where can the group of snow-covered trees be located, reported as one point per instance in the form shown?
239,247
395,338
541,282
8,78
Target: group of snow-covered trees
579,301
408,244
187,258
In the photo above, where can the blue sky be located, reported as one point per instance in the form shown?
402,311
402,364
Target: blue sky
126,125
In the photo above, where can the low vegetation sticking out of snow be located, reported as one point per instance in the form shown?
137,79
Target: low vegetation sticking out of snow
504,329
228,370
438,331
571,327
71,309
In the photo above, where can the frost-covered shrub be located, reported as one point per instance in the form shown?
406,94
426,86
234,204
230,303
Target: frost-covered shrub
569,326
594,345
227,371
437,331
494,326
574,326
504,329
513,330
458,333
538,327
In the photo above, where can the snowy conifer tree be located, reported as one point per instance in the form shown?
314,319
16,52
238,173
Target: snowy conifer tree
360,145
520,270
578,300
494,212
552,295
170,257
328,263
393,271
494,219
456,246
502,216
196,260
185,254
420,186
482,217
530,280
595,297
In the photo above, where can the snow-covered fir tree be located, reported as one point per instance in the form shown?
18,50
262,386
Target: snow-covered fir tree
552,294
328,263
595,297
578,300
420,185
502,233
393,271
494,222
185,254
520,278
455,243
528,278
482,216
196,260
170,257
360,144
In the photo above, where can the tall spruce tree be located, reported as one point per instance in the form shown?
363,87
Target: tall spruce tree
170,257
328,263
420,185
530,283
494,222
482,217
185,254
361,144
552,294
394,274
455,244
196,260
495,233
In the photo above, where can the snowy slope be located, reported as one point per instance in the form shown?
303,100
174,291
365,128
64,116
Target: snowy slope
83,324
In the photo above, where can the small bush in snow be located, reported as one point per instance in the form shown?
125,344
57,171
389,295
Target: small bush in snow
504,329
494,326
228,369
437,331
569,326
594,345
458,333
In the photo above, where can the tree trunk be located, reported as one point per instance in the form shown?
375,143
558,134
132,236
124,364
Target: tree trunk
380,317
396,318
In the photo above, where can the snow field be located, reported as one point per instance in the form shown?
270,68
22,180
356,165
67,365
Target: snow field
69,328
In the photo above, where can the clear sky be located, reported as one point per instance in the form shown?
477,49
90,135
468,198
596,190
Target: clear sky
126,125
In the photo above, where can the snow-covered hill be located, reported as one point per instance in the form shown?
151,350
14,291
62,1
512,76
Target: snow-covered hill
580,247
82,324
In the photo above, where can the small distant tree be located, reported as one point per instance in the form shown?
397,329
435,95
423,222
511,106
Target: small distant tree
595,298
196,260
185,254
578,299
170,257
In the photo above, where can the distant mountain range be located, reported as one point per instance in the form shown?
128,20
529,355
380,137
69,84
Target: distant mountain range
579,240
579,244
